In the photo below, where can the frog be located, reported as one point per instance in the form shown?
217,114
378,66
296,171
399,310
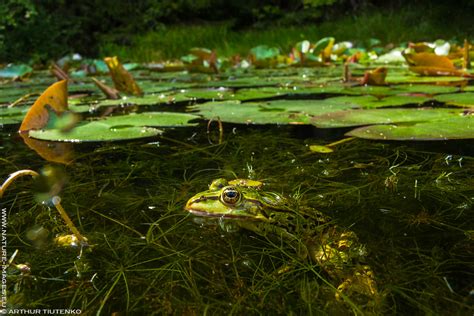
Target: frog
311,233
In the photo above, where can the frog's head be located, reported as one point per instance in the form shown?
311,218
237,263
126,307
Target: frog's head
234,199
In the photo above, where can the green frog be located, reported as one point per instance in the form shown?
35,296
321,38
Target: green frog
308,231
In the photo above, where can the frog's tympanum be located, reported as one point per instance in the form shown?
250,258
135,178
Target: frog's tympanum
310,232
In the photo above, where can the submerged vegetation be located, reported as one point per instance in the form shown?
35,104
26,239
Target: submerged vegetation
375,136
411,208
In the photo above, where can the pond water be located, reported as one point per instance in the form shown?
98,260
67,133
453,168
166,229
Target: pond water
410,204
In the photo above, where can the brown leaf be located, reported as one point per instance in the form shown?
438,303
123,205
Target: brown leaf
375,77
429,64
123,80
54,97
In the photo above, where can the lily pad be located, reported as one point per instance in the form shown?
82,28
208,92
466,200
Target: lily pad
393,78
12,115
15,71
149,99
260,93
460,127
95,131
271,112
359,117
132,126
465,99
368,101
209,94
401,89
248,113
161,119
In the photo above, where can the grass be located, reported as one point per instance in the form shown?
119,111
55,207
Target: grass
403,25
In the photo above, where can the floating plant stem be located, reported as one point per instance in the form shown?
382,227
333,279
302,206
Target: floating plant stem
57,203
22,99
344,140
15,175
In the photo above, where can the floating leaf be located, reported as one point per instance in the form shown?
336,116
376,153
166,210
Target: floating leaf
209,94
12,115
96,131
465,99
397,78
429,64
131,126
359,117
160,119
321,149
459,127
123,80
260,93
369,101
271,112
149,99
15,71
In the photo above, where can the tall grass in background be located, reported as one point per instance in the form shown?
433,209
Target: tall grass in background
388,26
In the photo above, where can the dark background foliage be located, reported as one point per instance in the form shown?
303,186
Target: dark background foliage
37,30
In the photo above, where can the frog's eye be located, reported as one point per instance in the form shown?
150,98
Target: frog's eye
230,195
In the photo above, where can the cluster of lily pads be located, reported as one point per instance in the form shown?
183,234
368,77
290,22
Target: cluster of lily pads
423,92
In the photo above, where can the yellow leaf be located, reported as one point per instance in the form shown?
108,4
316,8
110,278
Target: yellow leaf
122,79
430,64
55,97
326,52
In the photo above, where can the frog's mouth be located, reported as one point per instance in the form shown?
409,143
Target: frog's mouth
223,216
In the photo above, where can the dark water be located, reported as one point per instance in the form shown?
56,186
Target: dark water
410,203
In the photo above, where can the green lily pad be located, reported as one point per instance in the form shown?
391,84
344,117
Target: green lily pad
359,117
248,113
410,78
209,94
259,93
400,89
156,119
12,115
369,101
149,99
465,99
460,127
131,126
15,71
271,112
95,131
